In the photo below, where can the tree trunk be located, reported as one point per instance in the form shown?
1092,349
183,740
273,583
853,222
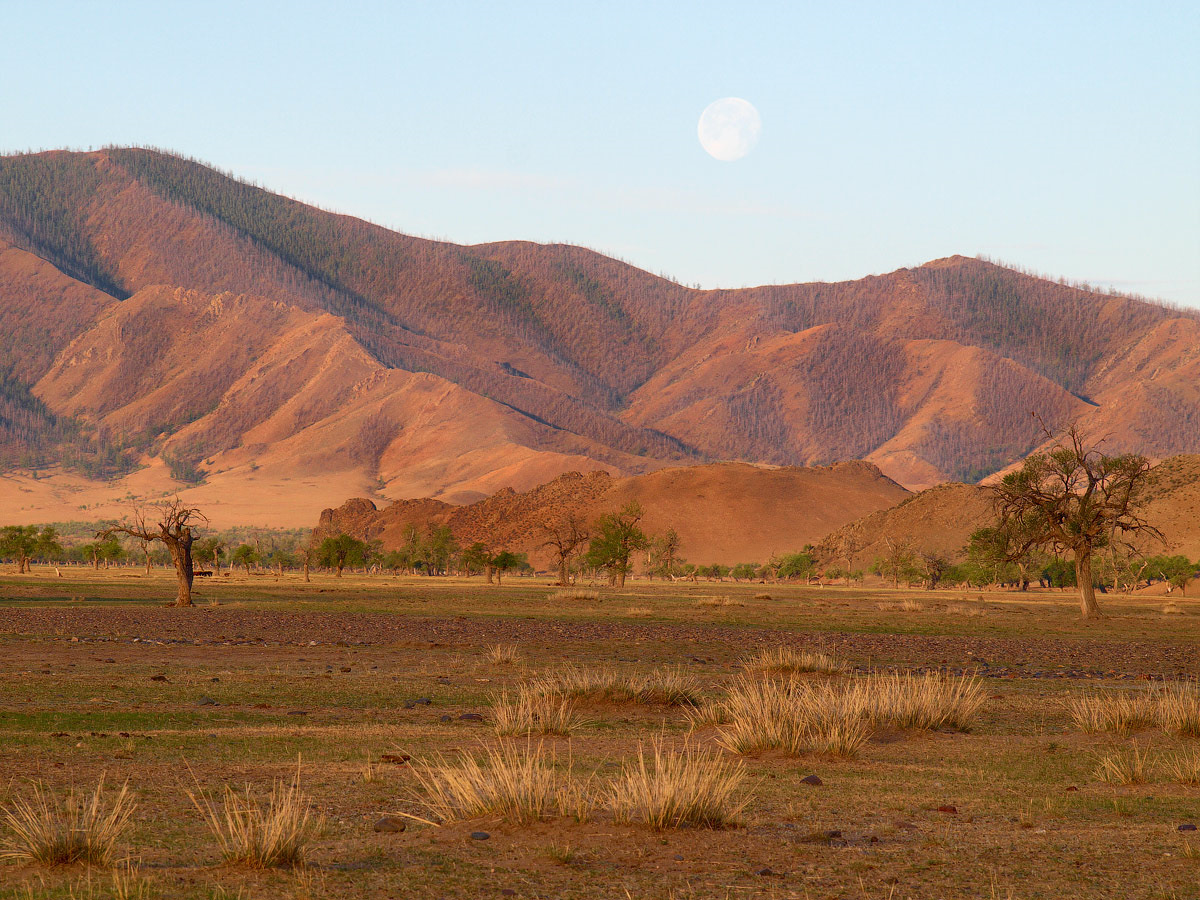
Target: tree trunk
339,570
1087,591
487,572
306,578
23,565
95,560
147,552
562,571
181,556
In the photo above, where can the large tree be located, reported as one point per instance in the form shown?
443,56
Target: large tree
173,524
341,551
24,542
1074,499
616,536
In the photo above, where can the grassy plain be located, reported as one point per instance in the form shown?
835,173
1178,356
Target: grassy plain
97,677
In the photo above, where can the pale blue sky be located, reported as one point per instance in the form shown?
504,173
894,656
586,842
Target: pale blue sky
1061,136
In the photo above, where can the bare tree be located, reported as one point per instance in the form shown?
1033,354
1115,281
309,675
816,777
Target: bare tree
566,535
1075,499
172,523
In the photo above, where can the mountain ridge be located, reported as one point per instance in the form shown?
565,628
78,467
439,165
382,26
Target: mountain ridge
574,359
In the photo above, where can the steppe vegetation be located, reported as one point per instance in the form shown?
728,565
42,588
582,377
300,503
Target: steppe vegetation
803,743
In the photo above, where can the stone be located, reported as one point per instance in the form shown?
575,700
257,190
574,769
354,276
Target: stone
297,712
1187,826
471,717
446,719
765,870
949,810
207,701
158,677
424,701
390,825
814,780
479,835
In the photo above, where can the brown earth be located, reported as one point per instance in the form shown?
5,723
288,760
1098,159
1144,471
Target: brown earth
730,512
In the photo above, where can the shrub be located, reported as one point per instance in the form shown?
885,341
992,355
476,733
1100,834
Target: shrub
534,712
504,654
1122,766
785,661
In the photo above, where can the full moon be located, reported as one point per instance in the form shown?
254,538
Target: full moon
729,128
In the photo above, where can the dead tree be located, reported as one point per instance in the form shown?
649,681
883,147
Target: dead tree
172,523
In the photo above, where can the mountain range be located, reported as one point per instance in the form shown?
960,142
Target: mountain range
164,323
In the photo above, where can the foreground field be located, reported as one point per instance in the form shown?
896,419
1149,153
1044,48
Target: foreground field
96,677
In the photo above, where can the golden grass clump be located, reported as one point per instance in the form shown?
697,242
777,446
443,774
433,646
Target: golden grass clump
518,786
1184,766
1177,709
504,654
574,594
785,661
666,687
1122,766
532,711
923,702
673,788
639,612
719,601
1173,707
261,834
75,829
790,716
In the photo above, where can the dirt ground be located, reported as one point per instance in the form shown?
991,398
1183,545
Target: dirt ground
97,677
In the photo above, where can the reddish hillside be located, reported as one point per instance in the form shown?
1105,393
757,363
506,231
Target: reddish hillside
941,519
152,305
727,513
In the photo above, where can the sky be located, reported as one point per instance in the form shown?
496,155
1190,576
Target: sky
1063,137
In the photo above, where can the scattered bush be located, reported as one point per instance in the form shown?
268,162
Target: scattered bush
574,594
1184,766
504,654
55,832
666,687
1173,707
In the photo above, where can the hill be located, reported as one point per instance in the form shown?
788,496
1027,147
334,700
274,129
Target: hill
160,314
941,519
727,513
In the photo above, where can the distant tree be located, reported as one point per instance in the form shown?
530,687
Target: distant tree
795,566
747,571
1075,499
341,551
850,543
25,542
474,559
506,561
440,548
171,523
616,536
210,548
666,550
1176,571
282,558
934,567
244,555
566,536
109,550
898,561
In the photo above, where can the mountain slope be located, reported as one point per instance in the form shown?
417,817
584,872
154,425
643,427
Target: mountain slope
541,359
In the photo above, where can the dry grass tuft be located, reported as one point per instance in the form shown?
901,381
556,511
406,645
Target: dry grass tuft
666,687
1173,707
1171,609
504,654
261,834
55,832
786,661
1184,766
791,716
518,786
922,702
639,611
574,594
671,788
533,711
719,601
1122,766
